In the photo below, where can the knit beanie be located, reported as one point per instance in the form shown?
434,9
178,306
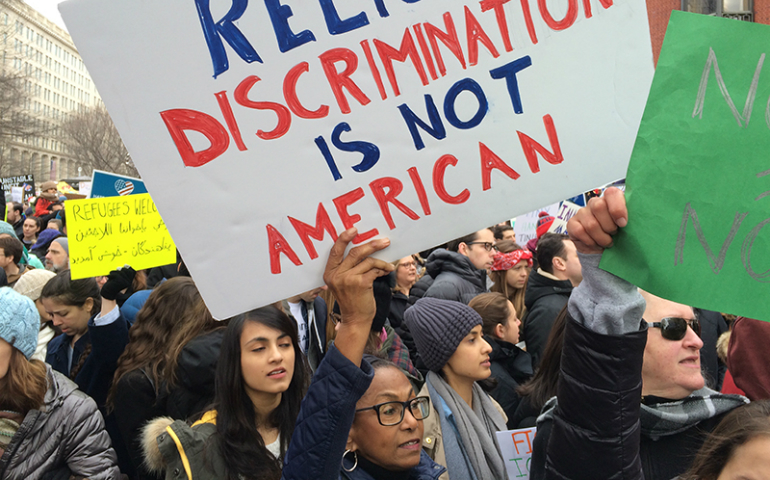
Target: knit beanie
44,238
543,223
47,185
32,282
438,326
65,244
19,321
6,227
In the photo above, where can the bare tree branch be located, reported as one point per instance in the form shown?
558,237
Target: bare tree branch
93,139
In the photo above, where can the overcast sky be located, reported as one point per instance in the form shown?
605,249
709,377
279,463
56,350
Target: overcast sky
48,9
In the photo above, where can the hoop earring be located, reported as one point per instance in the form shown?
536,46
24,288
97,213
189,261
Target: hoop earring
355,463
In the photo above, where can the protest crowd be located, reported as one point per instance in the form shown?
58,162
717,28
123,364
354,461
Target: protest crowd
402,370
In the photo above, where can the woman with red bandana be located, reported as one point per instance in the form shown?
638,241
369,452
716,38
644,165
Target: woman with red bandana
510,272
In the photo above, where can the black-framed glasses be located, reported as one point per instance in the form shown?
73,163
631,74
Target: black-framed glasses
408,265
675,328
392,413
488,246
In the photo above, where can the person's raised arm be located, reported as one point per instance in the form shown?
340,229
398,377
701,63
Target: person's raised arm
350,279
602,302
118,282
592,431
327,412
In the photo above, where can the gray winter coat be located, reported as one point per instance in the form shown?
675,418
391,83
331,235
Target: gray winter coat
67,433
455,277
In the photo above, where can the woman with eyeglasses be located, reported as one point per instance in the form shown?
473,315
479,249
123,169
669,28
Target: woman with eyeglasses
359,420
404,277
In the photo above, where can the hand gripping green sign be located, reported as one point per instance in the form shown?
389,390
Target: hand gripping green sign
698,184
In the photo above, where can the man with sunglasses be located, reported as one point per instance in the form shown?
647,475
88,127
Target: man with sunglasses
459,272
631,402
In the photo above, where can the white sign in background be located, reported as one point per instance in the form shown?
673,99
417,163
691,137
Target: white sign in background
526,224
516,448
566,211
582,88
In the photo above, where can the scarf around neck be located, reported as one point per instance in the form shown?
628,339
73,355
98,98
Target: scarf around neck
476,428
670,418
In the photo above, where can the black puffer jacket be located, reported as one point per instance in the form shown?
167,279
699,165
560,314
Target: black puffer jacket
608,426
599,428
599,409
544,300
455,277
418,289
511,366
712,326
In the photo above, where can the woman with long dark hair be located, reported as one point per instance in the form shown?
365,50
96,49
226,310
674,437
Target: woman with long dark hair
172,316
261,379
542,386
94,331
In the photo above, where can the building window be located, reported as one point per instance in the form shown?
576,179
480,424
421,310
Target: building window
737,9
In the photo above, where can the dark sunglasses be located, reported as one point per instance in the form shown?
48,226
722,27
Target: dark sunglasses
675,328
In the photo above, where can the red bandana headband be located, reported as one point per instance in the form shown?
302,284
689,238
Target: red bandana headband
506,261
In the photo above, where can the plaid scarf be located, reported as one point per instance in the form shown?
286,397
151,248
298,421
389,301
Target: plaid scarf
398,353
670,418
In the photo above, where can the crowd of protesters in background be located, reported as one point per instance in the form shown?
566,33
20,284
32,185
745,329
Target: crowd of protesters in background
401,370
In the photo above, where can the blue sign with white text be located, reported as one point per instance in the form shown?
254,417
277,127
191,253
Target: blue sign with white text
104,184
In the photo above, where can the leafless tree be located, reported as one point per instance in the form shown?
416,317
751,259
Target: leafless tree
15,120
93,139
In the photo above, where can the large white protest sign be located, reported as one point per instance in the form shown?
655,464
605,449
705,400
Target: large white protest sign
421,120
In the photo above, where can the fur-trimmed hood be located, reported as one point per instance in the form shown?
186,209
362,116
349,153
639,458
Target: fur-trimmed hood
153,459
172,445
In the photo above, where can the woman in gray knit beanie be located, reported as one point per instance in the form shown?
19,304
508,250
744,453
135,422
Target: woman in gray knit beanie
449,338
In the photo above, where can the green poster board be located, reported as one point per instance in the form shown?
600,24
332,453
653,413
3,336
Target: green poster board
698,184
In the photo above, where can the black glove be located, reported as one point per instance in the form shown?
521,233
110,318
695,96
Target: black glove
117,280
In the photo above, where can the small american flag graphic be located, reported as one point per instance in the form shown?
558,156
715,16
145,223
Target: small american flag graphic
124,187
